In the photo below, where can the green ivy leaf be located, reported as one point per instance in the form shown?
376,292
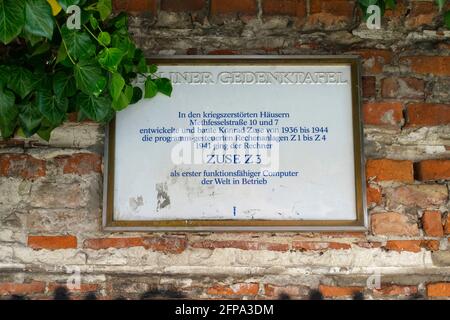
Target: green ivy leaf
137,95
29,119
67,3
5,72
152,68
116,85
391,4
89,77
39,18
109,58
21,81
104,7
79,44
95,108
52,108
8,113
64,85
151,88
104,38
45,130
441,4
30,38
124,99
447,19
164,86
12,19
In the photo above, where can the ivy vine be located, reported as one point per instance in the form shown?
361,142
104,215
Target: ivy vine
391,4
49,70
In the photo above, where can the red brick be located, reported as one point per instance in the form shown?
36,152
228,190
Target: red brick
427,170
319,245
240,244
333,291
52,242
33,287
84,287
438,289
422,13
239,289
369,244
374,60
21,165
335,7
182,5
295,8
80,163
219,7
434,65
400,88
400,10
164,244
389,170
395,290
369,87
447,224
135,6
274,291
393,224
428,114
373,195
432,224
432,245
404,245
388,114
425,196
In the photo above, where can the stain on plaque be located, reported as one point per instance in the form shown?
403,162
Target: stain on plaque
162,196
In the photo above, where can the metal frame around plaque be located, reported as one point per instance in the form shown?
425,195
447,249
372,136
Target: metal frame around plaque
359,224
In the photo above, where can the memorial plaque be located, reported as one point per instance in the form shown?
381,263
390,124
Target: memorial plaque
243,143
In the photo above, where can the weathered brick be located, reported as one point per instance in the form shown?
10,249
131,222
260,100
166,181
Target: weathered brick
182,5
438,289
275,291
447,224
83,288
319,245
369,86
387,114
52,242
428,170
373,195
333,291
400,88
21,165
432,223
240,244
336,7
33,287
432,245
428,114
395,290
80,163
105,243
55,195
393,224
389,170
374,59
428,65
330,14
167,244
422,13
404,245
135,6
425,196
295,8
219,7
239,289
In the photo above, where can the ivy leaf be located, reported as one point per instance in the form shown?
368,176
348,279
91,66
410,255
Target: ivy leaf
151,88
29,119
124,99
4,74
164,86
95,108
137,95
441,4
104,38
45,130
52,108
39,18
21,81
79,44
12,19
64,85
109,58
152,68
116,85
390,4
89,77
104,7
67,3
447,19
31,38
8,113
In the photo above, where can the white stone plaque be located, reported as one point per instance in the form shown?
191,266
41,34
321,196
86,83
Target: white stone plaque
243,143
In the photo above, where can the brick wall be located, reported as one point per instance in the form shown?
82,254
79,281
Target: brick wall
50,193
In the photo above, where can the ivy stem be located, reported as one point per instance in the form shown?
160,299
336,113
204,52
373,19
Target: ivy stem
64,42
90,32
